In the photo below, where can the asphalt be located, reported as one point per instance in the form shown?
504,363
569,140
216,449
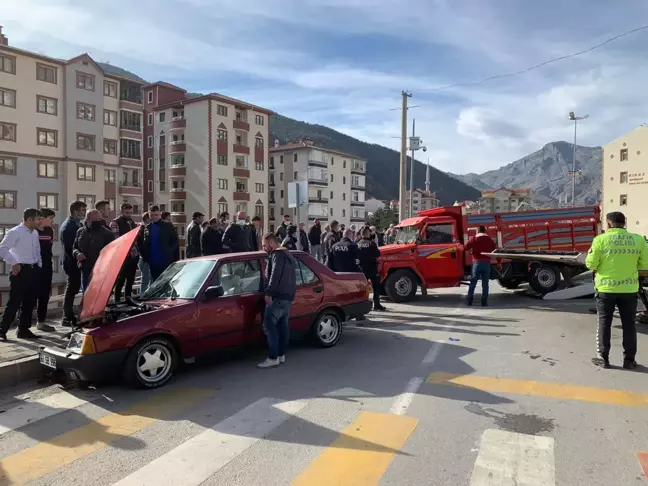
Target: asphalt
431,393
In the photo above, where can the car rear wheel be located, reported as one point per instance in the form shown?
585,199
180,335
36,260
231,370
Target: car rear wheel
326,330
401,286
151,363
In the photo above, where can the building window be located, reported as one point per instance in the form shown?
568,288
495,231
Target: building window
7,166
7,64
344,196
241,206
344,213
130,121
624,154
130,149
344,164
331,211
331,177
149,163
222,208
85,81
177,208
241,185
110,175
331,194
149,96
47,137
110,146
85,172
259,119
110,89
281,195
47,170
281,176
8,199
110,118
258,211
258,187
149,119
46,73
85,111
7,97
85,142
162,117
162,139
221,134
272,162
88,199
48,201
258,142
8,131
150,141
150,186
281,159
221,110
343,179
46,105
222,184
222,160
294,157
295,174
623,177
623,200
259,164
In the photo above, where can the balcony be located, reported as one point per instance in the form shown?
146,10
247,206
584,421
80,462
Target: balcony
357,187
242,125
178,218
241,148
316,199
358,169
357,219
271,183
318,179
178,123
130,188
129,162
177,171
130,105
177,147
241,196
357,203
271,217
317,163
245,173
272,201
177,195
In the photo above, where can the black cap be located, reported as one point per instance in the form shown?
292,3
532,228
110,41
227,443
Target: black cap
196,214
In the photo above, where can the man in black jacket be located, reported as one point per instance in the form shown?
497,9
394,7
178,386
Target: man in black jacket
192,249
290,241
254,233
46,240
331,238
237,235
211,239
280,290
303,238
69,230
315,240
282,230
344,254
120,226
368,254
158,243
90,240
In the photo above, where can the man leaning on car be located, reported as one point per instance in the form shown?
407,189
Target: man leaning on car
280,290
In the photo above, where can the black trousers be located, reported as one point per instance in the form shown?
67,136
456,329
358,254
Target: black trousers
605,306
127,276
44,290
72,287
157,269
21,297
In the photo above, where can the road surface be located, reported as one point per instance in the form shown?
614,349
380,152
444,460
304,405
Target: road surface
432,393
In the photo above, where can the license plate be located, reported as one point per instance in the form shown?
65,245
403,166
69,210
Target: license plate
47,360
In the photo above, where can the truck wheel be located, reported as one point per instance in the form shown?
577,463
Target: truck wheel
401,286
509,283
544,278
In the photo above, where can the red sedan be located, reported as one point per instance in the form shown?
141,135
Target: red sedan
196,306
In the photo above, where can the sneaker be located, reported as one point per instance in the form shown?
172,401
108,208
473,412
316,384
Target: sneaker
379,307
67,322
282,359
629,364
3,337
268,363
602,362
41,326
27,334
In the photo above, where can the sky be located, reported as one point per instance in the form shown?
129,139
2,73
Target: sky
344,63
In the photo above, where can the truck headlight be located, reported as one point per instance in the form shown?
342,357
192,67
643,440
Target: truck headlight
81,343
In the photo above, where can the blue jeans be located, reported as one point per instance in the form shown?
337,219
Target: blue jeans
145,274
480,271
275,326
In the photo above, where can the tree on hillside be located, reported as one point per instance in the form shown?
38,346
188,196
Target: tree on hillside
382,218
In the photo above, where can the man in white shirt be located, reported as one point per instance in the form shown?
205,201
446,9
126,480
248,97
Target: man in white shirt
20,250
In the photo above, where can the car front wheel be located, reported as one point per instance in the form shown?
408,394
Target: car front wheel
151,363
326,329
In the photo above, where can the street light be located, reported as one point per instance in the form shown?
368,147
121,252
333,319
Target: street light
575,119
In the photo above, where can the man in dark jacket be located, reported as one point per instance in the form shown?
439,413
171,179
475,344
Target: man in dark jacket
90,240
344,254
481,264
303,238
280,289
237,235
192,249
282,230
331,238
120,226
69,230
46,240
158,243
254,233
315,240
368,254
211,240
290,241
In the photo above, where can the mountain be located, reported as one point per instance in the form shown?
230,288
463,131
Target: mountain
383,164
546,171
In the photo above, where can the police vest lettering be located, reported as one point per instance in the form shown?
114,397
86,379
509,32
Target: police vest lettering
341,248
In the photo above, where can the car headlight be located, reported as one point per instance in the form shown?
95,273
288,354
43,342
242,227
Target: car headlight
81,343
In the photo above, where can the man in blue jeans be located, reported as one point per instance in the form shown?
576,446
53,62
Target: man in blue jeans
280,291
481,268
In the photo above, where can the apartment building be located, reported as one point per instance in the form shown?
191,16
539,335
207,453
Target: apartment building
69,129
625,178
336,183
421,200
205,153
505,200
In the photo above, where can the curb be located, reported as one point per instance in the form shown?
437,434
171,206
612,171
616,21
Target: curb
19,370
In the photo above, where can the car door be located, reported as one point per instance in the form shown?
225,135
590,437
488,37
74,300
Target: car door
309,295
226,321
438,255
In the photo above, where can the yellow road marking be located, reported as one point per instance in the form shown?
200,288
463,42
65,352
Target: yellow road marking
362,452
543,389
46,457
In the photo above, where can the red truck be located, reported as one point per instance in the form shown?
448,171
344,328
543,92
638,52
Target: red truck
539,247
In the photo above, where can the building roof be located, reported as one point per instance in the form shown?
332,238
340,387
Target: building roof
300,144
523,191
118,72
217,97
165,84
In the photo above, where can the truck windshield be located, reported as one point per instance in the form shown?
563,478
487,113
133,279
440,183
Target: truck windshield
181,280
406,234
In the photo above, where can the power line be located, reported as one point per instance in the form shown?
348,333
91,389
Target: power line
537,66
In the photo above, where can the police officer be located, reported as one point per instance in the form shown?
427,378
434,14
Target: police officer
368,254
344,254
616,257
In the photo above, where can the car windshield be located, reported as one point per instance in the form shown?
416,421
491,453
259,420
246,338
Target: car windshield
181,280
406,234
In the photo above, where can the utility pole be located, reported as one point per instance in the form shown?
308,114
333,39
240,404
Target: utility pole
410,205
575,119
403,159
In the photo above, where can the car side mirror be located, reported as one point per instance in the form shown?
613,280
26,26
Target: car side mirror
213,292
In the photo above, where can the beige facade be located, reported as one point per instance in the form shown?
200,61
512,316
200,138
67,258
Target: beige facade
505,200
421,201
625,178
336,183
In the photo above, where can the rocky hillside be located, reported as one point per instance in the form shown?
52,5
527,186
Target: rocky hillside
383,163
546,171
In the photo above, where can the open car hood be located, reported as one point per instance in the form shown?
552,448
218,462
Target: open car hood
104,275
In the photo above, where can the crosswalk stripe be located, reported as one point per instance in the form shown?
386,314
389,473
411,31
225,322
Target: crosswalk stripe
46,457
543,389
30,411
508,458
197,459
361,454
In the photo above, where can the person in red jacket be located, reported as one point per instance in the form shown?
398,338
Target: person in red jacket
481,268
